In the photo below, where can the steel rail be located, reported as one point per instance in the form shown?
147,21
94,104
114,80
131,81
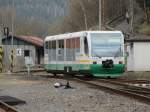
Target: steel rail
129,86
133,81
7,108
138,91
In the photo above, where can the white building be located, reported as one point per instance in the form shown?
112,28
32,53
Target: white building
138,54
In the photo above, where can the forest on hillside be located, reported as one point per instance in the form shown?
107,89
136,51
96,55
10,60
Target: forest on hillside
50,17
84,15
31,17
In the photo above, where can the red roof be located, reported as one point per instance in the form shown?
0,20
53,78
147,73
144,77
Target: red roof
33,40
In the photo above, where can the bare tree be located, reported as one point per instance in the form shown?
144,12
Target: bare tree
145,4
147,10
84,14
100,14
84,11
132,15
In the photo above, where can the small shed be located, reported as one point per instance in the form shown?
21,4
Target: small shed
23,46
138,54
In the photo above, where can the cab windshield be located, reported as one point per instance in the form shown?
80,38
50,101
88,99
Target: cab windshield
106,45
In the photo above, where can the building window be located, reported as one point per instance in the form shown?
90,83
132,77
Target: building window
26,53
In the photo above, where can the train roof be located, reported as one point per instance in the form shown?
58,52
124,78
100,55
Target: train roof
75,34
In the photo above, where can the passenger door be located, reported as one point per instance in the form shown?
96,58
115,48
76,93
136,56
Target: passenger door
60,55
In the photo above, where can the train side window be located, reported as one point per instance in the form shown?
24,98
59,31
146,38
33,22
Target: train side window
46,45
50,44
78,42
60,46
86,50
53,44
61,43
68,43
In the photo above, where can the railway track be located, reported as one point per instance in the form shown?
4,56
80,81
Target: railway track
129,86
133,81
138,93
6,108
118,86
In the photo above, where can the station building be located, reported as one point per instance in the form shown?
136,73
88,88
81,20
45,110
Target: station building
138,54
23,46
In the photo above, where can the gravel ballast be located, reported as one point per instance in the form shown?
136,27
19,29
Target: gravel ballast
41,96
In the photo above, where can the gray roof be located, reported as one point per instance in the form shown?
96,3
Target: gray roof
139,38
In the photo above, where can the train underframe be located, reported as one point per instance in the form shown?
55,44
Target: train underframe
96,70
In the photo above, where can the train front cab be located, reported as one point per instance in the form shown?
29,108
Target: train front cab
107,54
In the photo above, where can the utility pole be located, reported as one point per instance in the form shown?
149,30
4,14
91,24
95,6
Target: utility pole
100,14
12,38
132,16
0,34
12,23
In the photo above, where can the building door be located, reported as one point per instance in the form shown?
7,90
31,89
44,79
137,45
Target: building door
39,54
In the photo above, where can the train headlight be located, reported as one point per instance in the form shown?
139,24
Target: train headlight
94,62
120,62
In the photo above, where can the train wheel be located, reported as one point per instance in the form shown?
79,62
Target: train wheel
88,76
55,74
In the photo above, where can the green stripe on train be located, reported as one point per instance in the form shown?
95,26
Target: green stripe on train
98,70
75,67
95,69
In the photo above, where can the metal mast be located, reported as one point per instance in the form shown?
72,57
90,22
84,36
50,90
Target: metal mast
132,16
100,14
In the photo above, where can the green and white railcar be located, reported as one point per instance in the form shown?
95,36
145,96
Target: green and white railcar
97,53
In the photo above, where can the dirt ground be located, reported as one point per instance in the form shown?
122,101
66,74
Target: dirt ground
41,96
137,75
